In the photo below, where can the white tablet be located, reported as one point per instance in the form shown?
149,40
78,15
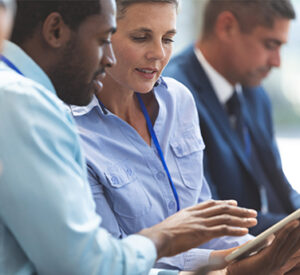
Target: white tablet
261,240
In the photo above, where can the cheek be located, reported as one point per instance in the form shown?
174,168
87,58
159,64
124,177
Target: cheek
168,53
126,61
93,56
126,55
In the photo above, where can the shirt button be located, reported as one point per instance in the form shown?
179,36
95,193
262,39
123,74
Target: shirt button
171,205
179,149
160,175
129,171
114,180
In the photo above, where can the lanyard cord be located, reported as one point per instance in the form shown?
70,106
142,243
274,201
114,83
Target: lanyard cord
9,64
154,138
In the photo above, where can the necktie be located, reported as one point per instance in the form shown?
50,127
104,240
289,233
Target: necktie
234,110
235,113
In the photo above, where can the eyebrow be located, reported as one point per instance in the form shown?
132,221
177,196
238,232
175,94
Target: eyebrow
173,31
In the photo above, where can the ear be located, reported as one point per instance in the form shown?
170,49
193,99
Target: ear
54,30
226,26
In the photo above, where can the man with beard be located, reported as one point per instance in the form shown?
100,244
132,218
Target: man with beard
240,43
48,223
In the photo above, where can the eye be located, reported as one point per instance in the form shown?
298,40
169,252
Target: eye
168,40
271,45
139,38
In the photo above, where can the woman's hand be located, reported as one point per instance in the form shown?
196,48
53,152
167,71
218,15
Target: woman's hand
279,258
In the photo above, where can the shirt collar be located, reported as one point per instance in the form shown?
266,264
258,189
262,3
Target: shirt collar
26,65
222,87
83,110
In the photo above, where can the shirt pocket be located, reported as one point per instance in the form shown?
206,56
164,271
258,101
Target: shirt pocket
188,152
126,194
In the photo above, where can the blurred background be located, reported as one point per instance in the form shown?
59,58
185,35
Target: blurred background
282,85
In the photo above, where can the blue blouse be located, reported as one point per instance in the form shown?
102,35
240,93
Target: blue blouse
129,184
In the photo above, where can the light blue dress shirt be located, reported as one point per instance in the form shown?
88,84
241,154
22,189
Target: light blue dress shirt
48,222
129,184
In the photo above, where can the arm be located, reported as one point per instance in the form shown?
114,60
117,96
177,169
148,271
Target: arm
198,224
45,200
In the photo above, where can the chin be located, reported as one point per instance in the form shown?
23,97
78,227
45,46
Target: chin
82,100
251,82
144,89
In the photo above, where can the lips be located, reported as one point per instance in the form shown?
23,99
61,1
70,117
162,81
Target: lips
97,82
147,73
100,76
97,86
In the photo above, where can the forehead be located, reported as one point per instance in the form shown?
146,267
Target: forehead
279,31
149,14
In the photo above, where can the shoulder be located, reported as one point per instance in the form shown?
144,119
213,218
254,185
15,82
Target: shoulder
178,98
178,91
31,110
179,61
20,94
181,57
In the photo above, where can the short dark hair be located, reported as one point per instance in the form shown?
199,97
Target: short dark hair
122,5
31,13
249,13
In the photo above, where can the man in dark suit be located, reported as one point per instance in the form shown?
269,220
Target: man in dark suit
239,45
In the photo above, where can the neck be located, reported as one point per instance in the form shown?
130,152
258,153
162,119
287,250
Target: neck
216,55
123,103
119,100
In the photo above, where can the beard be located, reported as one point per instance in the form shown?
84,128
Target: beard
70,78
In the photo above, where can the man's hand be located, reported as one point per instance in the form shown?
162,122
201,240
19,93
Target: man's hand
274,259
196,225
277,259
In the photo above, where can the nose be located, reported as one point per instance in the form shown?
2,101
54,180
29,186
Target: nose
156,51
109,58
275,59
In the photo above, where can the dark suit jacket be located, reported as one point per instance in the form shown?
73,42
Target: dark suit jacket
227,168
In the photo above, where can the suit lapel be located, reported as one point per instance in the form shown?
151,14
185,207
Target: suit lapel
205,94
258,138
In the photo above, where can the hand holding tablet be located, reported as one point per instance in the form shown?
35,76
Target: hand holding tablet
261,240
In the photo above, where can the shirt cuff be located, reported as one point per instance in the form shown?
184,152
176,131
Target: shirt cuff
195,258
187,261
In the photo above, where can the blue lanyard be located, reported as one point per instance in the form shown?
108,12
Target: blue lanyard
154,138
9,64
